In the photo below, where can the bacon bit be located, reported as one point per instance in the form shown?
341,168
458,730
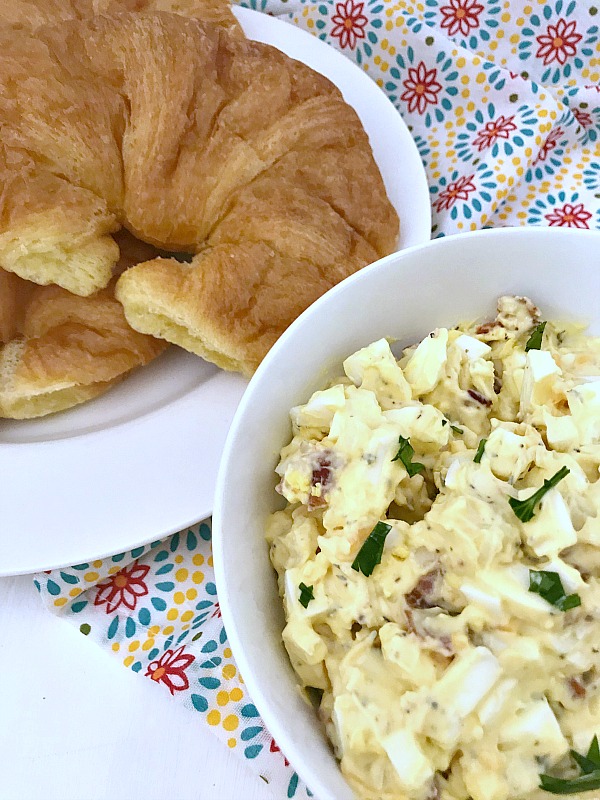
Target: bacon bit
423,593
577,688
479,398
515,315
321,476
487,327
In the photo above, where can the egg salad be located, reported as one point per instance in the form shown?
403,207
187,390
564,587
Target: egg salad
438,557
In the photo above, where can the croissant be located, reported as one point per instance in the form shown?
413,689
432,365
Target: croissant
60,349
14,294
195,140
32,14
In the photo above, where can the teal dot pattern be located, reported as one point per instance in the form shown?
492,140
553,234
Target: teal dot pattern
501,97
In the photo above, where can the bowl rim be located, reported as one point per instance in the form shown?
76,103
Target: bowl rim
273,723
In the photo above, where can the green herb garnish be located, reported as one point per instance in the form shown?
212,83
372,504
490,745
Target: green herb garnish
306,594
591,762
371,551
549,586
588,780
583,783
405,454
524,509
480,449
535,340
455,428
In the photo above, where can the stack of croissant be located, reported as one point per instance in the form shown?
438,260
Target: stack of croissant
135,130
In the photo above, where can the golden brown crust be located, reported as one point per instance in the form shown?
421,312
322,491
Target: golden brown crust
207,308
344,189
196,140
53,231
32,14
61,349
82,341
14,293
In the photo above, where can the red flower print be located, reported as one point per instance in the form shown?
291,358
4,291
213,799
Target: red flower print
551,142
123,589
216,612
593,86
274,748
170,669
458,190
558,43
421,88
349,23
569,216
461,15
492,131
583,118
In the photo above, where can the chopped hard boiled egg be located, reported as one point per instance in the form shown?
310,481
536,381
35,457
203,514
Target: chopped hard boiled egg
439,561
426,365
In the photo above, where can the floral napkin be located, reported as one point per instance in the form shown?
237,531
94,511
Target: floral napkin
156,609
503,101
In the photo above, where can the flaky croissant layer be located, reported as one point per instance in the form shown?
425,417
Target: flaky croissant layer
60,350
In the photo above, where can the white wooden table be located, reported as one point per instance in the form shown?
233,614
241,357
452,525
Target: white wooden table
76,725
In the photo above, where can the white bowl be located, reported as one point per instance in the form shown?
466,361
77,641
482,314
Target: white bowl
404,296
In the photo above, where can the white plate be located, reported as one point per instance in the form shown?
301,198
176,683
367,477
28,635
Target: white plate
140,462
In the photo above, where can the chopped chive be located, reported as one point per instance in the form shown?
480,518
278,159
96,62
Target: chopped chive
535,340
583,783
549,586
588,780
480,449
306,594
525,509
371,551
405,454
